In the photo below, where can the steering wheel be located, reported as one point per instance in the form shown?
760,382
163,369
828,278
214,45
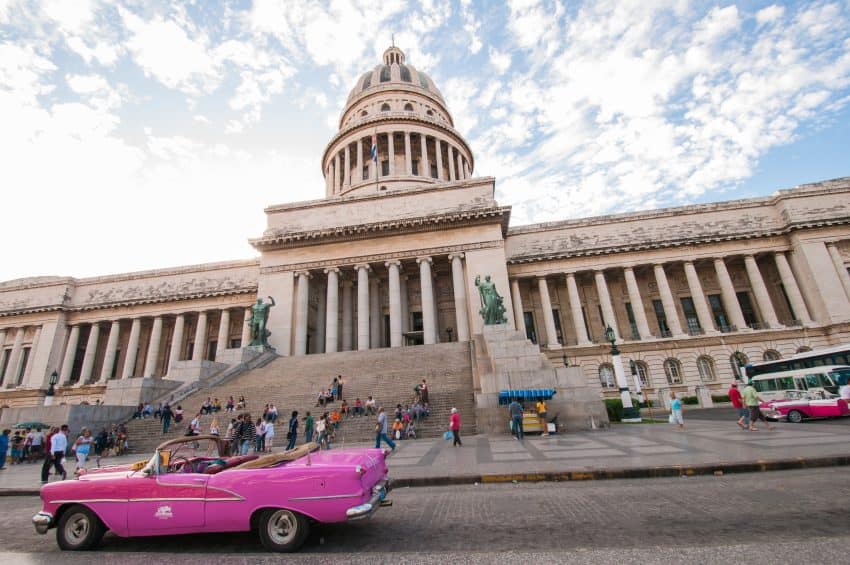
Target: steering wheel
178,463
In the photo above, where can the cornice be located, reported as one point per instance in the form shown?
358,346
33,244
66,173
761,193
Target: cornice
416,224
394,87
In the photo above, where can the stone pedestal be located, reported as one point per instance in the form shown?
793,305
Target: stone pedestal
506,360
191,371
132,392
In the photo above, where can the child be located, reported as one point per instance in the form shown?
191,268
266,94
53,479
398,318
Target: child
411,430
676,412
398,427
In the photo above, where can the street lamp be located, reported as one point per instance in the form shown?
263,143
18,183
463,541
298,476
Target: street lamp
630,413
566,361
449,331
51,392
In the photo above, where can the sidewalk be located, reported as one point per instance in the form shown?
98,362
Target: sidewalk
624,451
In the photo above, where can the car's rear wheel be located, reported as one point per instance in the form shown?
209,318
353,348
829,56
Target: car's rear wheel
79,529
283,530
795,416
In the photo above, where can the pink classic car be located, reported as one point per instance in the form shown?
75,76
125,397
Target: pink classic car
798,405
189,486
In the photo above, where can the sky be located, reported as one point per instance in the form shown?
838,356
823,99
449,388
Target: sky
138,135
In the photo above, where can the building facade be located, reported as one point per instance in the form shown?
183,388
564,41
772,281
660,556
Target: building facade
390,258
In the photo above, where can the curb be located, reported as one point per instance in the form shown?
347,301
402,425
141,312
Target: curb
718,469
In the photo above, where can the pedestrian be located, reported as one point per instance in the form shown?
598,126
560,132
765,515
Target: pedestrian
292,434
541,413
247,434
259,438
515,410
4,447
308,428
381,430
676,412
82,447
322,426
738,402
100,444
752,399
214,427
454,426
37,447
268,439
58,445
423,392
235,436
166,418
339,384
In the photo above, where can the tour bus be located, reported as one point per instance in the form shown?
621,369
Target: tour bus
817,380
838,355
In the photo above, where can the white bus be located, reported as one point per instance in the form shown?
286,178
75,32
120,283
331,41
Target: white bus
824,380
836,355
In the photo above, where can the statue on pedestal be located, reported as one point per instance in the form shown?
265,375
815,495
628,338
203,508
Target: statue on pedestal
259,319
492,305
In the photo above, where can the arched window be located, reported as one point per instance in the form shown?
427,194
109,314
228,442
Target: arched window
673,371
643,373
804,349
771,355
705,365
606,375
408,107
385,108
738,360
430,113
364,113
405,73
385,74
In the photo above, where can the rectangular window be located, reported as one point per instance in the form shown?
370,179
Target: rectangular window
385,168
661,317
235,343
416,318
632,324
211,347
5,362
530,332
557,316
190,350
747,308
415,166
365,172
718,312
385,337
22,368
434,174
691,317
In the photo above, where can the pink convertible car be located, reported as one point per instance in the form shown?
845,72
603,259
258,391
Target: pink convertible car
799,405
189,486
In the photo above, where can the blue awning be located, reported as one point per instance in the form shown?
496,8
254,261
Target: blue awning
528,394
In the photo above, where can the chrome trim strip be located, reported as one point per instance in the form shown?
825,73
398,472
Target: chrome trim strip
157,499
88,500
329,497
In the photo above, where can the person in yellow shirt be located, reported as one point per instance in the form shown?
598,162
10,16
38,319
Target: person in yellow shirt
541,413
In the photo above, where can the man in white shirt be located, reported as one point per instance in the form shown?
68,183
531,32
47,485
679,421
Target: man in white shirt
58,445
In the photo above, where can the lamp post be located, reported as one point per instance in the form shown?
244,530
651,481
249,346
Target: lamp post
51,392
566,361
630,414
449,331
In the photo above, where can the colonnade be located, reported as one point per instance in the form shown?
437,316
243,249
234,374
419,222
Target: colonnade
15,360
704,313
346,167
335,328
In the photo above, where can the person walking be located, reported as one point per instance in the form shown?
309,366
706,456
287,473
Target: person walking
515,410
752,399
82,447
269,438
454,426
4,447
381,430
247,434
58,445
738,402
292,434
339,383
322,426
676,412
308,428
541,414
167,414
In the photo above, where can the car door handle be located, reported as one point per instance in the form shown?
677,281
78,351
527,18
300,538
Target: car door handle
199,481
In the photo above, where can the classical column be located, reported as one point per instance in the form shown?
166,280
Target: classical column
408,160
460,175
132,349
637,303
548,318
395,303
667,301
575,310
798,305
362,307
328,180
332,311
70,355
347,315
245,340
318,341
111,349
302,308
12,368
346,173
768,314
425,170
91,353
516,298
727,293
359,175
838,261
391,152
153,347
198,350
405,309
336,173
223,333
375,312
459,288
439,155
605,302
697,295
451,160
429,324
177,341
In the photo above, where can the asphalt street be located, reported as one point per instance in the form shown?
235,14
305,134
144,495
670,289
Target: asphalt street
710,519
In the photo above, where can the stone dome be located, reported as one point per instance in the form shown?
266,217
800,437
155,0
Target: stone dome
394,72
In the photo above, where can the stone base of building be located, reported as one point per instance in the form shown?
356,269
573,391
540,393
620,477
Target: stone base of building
242,355
506,360
132,392
76,416
192,371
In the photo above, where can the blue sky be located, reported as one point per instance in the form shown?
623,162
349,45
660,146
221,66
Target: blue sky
139,135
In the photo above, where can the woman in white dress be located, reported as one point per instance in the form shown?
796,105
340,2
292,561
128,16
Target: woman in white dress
82,447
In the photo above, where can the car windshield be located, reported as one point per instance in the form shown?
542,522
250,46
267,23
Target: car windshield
172,456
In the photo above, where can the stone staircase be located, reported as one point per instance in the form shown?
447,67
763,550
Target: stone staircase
292,383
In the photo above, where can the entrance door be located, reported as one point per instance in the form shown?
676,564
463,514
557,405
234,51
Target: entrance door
530,331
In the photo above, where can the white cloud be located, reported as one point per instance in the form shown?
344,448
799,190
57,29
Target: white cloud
501,60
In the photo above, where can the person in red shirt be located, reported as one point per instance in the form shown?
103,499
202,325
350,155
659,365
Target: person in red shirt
454,426
738,403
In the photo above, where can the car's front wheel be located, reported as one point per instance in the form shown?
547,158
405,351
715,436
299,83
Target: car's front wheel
795,416
283,530
79,529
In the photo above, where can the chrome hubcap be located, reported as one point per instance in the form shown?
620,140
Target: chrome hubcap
77,528
282,527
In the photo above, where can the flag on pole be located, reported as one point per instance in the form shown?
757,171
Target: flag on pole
375,148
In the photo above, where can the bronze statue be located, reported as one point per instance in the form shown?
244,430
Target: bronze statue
259,319
492,305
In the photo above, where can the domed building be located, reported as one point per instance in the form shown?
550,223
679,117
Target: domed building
381,277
